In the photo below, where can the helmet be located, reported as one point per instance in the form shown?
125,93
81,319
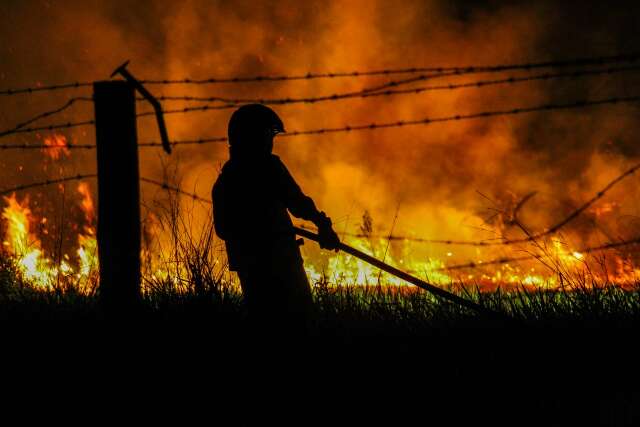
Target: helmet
251,121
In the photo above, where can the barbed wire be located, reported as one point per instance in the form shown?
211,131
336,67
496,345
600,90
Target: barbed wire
371,126
504,260
186,142
394,237
234,102
459,117
74,85
188,109
601,60
365,93
169,187
67,125
45,183
598,60
503,242
49,113
361,92
470,265
552,230
425,121
45,147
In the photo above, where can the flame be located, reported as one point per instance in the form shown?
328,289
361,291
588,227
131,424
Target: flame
56,147
87,202
38,269
23,245
559,258
87,251
343,268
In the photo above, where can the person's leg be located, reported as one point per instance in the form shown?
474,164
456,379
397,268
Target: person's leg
265,300
303,295
251,297
298,303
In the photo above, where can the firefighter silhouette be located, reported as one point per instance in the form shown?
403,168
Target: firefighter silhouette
251,198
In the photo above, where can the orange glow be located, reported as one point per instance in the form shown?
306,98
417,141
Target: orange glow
460,180
87,202
58,144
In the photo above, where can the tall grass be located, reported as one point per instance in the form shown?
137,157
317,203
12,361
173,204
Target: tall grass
185,275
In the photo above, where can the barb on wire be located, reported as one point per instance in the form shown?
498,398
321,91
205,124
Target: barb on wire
50,127
67,105
234,102
428,121
47,182
166,186
601,60
480,264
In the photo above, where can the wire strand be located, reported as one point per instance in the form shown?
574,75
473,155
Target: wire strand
47,182
75,85
601,60
503,242
480,264
471,265
200,141
598,60
166,186
67,105
234,102
424,121
50,127
551,230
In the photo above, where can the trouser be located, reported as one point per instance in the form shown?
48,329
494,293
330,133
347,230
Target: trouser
278,297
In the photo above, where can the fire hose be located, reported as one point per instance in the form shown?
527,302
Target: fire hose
438,292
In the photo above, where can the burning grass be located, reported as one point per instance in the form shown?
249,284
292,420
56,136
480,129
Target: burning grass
185,270
195,286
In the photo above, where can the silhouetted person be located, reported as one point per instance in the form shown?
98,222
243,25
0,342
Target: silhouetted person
250,202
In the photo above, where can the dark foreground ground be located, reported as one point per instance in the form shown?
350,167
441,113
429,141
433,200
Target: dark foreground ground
200,357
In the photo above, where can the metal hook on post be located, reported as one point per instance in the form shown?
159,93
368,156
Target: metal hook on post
157,107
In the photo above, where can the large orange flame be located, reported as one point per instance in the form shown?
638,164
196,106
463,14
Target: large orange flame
22,244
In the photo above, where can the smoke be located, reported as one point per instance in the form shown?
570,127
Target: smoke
444,180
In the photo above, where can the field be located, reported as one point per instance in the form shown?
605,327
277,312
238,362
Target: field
563,355
570,358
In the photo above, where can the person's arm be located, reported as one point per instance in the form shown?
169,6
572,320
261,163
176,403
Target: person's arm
299,204
302,206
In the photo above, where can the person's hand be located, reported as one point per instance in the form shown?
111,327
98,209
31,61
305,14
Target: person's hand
328,238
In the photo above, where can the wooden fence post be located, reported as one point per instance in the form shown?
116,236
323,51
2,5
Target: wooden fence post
118,195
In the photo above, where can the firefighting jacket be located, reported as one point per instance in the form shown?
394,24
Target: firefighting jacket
250,203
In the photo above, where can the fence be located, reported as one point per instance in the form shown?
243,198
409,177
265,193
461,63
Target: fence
115,123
